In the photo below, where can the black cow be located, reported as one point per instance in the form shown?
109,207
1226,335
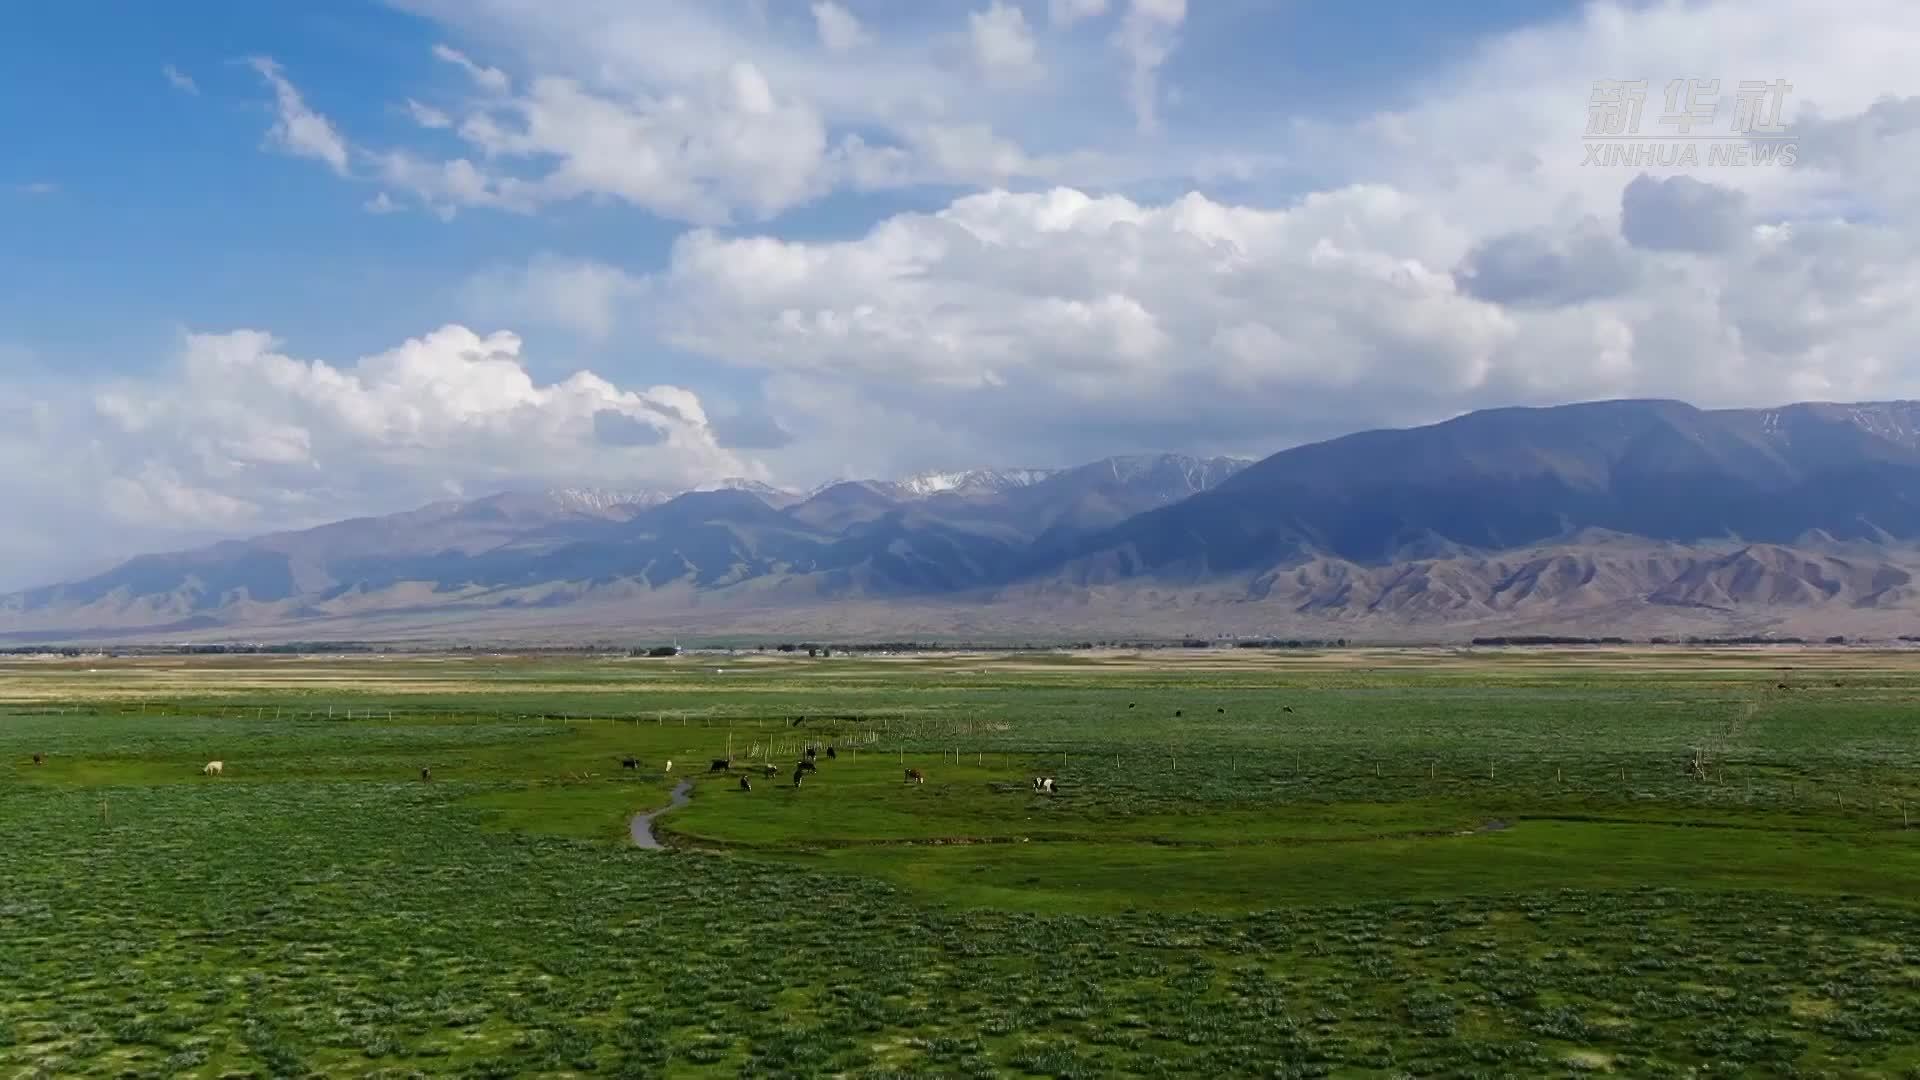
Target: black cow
39,759
797,777
721,764
803,765
629,763
1176,713
810,753
1131,704
1221,709
831,754
745,784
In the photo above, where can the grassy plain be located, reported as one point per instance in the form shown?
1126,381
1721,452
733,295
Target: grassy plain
1361,863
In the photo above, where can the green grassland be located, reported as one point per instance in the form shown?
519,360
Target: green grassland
1361,863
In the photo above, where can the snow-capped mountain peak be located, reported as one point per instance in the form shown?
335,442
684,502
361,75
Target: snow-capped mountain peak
970,481
741,483
602,500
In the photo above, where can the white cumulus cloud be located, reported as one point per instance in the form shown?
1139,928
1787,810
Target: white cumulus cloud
1003,44
235,435
297,129
839,30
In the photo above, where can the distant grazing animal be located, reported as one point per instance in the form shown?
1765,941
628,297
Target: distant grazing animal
634,763
915,776
803,765
745,784
39,759
770,768
810,753
1286,708
426,774
797,777
1176,712
1221,709
1131,704
1043,785
669,767
831,753
214,768
721,764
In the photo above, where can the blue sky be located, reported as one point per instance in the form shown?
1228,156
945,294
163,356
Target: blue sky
167,211
268,264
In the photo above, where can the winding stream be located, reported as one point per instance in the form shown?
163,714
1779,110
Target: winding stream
643,823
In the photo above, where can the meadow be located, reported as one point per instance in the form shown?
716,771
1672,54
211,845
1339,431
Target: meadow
1366,863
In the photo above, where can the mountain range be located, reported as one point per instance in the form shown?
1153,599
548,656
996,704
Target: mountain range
1614,517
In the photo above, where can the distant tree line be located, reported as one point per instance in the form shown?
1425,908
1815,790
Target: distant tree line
1548,639
1751,639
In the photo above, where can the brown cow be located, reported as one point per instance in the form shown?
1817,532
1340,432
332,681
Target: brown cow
39,759
915,776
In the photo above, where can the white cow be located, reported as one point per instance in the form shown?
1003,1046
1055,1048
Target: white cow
669,766
214,768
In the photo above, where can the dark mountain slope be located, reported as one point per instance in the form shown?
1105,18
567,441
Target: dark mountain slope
1508,478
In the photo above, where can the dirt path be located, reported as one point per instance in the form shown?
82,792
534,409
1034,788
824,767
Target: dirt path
643,823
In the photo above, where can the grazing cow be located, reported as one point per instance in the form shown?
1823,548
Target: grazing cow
810,753
770,769
426,775
1221,709
797,777
669,767
1131,704
634,763
915,776
214,768
1043,785
831,754
1286,708
39,759
1176,713
721,764
745,784
803,765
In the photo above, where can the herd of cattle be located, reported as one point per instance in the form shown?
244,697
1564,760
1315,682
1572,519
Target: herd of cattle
1042,785
807,763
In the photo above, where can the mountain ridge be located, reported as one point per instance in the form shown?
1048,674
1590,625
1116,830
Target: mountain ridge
1618,513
